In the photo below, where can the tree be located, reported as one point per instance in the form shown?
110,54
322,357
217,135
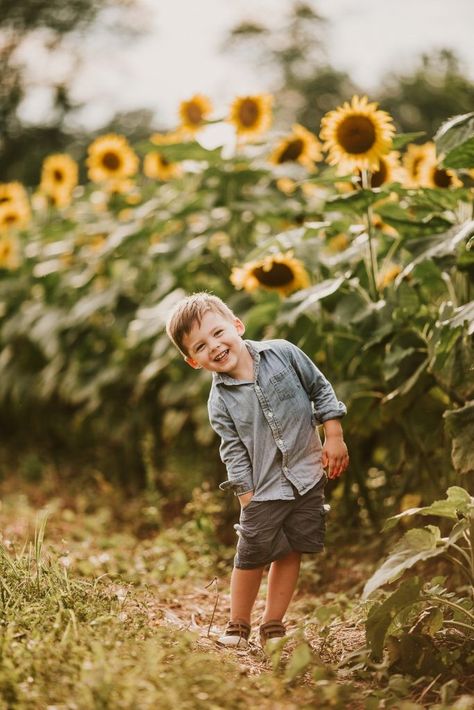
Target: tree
53,23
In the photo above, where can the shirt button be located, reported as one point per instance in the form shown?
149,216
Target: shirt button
280,442
270,415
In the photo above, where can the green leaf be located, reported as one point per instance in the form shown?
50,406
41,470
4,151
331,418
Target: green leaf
455,139
308,299
416,545
460,427
458,501
401,139
381,616
438,246
299,661
356,201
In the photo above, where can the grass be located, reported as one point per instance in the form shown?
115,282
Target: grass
98,611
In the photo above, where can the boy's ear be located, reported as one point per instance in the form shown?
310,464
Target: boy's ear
240,327
192,363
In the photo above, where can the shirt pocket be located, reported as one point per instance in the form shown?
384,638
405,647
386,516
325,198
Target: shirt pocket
284,384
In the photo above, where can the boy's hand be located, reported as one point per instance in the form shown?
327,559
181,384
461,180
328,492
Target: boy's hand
335,456
245,498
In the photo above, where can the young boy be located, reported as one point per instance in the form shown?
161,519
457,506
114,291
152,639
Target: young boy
265,401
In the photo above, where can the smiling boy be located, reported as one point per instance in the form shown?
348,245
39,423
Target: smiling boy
265,401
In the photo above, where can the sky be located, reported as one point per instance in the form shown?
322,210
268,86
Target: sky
181,52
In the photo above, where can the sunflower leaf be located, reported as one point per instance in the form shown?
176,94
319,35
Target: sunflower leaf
455,139
402,139
356,201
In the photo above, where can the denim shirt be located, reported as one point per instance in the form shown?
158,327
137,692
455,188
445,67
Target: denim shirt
267,425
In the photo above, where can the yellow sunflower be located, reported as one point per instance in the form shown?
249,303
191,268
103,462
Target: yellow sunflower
300,146
194,112
276,272
357,135
432,175
12,192
387,275
9,252
59,173
389,170
339,242
169,138
157,167
14,215
111,158
251,115
414,157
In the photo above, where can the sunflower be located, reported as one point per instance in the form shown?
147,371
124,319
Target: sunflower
194,112
157,167
300,146
276,272
339,242
59,174
251,115
111,157
14,215
389,170
412,161
9,252
432,175
12,192
357,135
387,275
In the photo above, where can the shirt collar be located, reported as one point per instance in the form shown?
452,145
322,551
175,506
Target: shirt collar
255,347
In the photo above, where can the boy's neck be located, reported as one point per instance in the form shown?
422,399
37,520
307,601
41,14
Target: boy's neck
246,366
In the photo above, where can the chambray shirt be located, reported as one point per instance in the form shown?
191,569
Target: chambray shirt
267,425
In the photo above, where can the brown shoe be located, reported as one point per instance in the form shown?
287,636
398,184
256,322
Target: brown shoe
271,630
236,635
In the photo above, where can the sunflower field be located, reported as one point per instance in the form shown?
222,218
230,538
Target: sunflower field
357,245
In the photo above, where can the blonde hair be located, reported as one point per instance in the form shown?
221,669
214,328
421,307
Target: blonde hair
189,311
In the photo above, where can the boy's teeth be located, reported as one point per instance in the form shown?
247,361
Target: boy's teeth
221,355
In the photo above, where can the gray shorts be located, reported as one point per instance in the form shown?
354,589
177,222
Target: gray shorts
270,529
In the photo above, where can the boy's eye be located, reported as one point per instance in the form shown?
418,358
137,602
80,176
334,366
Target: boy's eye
218,332
199,347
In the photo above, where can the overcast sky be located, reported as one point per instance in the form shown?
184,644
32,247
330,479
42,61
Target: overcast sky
181,54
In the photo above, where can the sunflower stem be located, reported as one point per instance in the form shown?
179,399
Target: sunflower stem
372,261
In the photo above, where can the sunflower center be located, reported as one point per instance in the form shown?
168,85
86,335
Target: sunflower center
5,199
291,151
379,176
441,178
111,160
415,166
277,275
58,175
162,160
194,113
248,112
10,218
356,134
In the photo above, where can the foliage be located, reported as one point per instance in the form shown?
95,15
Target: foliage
425,627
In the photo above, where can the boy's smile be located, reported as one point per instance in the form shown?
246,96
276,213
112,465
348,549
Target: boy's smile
216,345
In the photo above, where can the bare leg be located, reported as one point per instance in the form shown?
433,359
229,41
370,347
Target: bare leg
282,579
244,586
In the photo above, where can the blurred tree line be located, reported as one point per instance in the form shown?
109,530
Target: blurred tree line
57,28
306,85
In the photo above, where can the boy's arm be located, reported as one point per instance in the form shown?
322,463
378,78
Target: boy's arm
317,387
328,411
335,455
233,453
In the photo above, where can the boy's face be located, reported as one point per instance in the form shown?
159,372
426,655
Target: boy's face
215,344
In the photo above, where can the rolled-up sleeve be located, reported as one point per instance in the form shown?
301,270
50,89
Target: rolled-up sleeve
232,451
318,388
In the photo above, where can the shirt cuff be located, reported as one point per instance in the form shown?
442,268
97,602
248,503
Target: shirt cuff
238,488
